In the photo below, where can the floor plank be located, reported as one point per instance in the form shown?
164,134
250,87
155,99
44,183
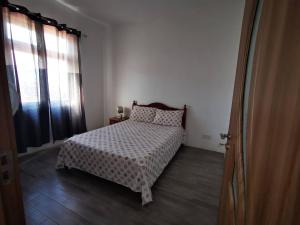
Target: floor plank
186,193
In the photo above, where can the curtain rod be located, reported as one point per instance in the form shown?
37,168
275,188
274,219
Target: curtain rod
38,17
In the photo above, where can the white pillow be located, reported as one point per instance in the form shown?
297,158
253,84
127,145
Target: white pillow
168,117
143,114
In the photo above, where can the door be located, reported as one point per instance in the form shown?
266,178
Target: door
232,201
262,163
273,124
11,205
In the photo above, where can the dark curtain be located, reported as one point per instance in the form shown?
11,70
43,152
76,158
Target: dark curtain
27,75
44,70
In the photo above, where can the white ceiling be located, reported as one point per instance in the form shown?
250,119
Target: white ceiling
131,11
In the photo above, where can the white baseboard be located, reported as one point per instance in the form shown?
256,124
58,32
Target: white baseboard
47,146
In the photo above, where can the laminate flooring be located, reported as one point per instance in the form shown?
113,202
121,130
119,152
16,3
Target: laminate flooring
186,193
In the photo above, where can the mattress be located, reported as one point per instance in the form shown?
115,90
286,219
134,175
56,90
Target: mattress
129,153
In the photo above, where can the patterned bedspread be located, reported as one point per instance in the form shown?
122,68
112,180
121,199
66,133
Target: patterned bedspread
129,153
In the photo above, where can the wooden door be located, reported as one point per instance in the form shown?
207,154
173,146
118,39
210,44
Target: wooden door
263,156
232,201
273,131
11,205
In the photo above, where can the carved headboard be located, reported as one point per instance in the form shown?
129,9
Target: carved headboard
162,106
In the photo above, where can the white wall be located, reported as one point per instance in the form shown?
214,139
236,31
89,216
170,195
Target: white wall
184,56
187,57
92,54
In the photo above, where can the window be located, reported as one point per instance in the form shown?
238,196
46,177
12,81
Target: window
26,62
42,64
60,58
57,63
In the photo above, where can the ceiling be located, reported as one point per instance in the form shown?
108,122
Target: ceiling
130,11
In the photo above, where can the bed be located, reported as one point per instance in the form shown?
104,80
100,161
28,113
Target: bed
130,153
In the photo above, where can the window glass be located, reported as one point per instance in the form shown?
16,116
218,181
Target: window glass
57,62
24,41
26,58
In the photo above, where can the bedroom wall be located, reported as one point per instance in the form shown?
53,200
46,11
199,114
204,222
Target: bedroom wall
181,57
92,53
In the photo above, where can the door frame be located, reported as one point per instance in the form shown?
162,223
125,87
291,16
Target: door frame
228,213
11,203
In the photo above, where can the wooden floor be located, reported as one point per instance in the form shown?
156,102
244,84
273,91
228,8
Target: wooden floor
186,193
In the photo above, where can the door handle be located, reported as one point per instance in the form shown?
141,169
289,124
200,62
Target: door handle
224,136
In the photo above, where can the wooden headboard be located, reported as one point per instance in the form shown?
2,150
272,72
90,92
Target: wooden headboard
162,106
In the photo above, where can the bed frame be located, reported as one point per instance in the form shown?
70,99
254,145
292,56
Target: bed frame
162,106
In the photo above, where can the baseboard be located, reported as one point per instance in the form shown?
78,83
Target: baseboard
44,147
205,149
